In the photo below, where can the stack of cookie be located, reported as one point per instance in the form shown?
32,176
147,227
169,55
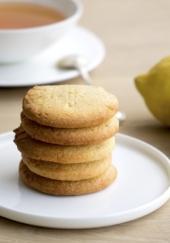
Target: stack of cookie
66,139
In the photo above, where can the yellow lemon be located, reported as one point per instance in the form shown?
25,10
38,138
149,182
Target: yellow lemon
154,86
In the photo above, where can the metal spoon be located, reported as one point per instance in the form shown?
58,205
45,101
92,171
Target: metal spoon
79,62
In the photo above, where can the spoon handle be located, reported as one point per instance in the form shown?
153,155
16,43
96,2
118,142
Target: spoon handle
84,75
121,116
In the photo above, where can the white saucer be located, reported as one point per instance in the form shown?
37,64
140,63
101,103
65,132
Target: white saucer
43,69
142,186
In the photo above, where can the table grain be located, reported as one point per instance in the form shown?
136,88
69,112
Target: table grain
136,34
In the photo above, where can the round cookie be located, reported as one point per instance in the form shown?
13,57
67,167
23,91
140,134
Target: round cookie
70,136
56,187
69,106
68,172
62,154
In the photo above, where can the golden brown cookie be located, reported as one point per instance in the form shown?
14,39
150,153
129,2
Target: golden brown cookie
56,187
68,172
69,106
62,154
70,136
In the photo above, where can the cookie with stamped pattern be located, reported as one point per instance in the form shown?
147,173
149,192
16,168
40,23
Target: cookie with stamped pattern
69,106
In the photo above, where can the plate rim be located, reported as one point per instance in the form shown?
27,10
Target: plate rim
121,217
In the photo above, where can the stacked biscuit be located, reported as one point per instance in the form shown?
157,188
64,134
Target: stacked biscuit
66,139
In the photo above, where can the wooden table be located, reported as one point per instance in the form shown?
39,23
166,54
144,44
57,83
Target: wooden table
136,35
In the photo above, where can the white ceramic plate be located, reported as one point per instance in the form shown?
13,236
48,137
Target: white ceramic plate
43,69
142,186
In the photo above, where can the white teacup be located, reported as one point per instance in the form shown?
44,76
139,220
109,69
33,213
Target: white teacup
18,45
